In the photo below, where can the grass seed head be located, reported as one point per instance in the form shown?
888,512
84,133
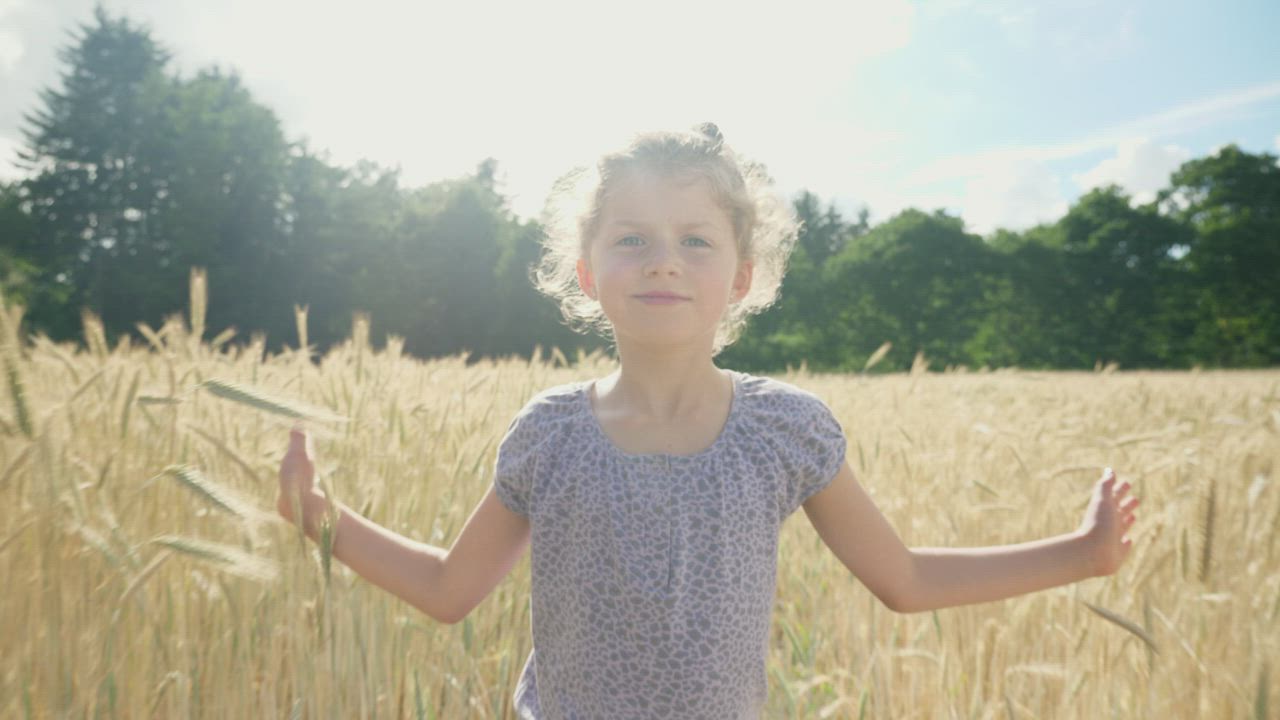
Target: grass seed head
253,397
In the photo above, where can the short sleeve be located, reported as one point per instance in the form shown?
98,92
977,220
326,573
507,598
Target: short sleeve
517,460
814,452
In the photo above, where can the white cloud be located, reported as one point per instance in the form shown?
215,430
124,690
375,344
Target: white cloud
1073,32
1139,166
11,50
1013,195
1177,120
1013,186
1278,142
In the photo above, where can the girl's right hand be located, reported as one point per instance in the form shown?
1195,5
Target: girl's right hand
297,472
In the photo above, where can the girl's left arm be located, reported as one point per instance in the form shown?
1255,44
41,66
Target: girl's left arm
920,579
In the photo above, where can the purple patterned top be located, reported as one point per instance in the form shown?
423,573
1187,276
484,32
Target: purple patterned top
654,575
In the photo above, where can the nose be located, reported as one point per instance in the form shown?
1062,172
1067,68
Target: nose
663,260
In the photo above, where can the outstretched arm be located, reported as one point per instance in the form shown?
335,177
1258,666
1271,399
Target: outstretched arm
915,580
444,585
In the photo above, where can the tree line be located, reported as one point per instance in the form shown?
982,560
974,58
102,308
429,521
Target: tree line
136,175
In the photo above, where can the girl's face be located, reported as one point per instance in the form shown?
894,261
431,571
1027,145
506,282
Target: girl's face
659,237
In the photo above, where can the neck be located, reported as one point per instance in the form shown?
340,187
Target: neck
664,384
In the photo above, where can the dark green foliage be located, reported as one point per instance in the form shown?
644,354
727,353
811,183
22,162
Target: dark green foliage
136,175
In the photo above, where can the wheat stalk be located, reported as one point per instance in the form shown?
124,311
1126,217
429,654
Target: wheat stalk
1264,692
199,290
152,337
211,492
253,397
14,535
224,557
1129,625
360,340
128,403
878,355
920,364
136,583
10,354
17,393
145,400
222,447
222,337
99,543
1206,532
300,319
95,335
43,342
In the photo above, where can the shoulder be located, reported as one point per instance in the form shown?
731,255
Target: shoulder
550,408
770,396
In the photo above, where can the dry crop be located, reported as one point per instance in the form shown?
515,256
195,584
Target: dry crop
143,581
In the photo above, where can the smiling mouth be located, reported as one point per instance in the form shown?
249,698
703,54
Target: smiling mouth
661,296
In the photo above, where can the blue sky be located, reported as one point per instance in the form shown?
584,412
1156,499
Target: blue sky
1002,112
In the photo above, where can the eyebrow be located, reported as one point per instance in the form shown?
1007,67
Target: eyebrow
687,226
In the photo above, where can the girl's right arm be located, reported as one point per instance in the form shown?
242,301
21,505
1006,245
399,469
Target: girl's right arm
444,585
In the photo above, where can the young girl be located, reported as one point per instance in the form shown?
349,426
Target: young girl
653,497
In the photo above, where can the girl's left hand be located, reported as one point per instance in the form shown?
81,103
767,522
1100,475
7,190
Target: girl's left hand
1108,517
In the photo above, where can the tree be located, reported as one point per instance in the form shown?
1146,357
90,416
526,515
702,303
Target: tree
94,183
140,176
17,234
1123,274
789,332
1232,200
916,280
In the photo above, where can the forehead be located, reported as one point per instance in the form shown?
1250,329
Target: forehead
654,198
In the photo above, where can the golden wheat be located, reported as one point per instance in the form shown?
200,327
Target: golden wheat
212,493
246,395
199,299
962,459
877,356
225,558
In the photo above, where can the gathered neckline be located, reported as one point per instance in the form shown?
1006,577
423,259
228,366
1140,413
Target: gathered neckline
585,398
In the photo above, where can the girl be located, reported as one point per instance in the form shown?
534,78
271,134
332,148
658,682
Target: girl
653,497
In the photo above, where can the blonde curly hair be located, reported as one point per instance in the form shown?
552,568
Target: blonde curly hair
764,224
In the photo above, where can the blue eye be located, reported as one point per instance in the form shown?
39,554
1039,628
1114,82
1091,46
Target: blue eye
624,240
704,242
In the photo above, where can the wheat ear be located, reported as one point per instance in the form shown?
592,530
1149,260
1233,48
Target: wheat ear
253,397
1206,532
224,557
211,492
1129,625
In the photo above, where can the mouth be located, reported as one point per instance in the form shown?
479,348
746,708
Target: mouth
661,296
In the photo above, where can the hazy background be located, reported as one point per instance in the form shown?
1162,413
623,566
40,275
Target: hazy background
1002,112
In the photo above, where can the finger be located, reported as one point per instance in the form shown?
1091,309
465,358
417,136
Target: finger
1124,488
1129,504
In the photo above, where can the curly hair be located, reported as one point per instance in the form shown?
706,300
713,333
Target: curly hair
764,224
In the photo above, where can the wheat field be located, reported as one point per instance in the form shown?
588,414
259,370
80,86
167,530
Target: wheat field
148,576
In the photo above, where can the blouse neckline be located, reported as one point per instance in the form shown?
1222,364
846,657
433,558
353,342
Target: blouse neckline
721,439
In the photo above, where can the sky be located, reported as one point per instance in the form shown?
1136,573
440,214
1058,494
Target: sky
1001,112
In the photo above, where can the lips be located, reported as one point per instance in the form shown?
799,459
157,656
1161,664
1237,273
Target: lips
662,296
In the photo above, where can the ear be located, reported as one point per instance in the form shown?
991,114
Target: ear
742,280
586,280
